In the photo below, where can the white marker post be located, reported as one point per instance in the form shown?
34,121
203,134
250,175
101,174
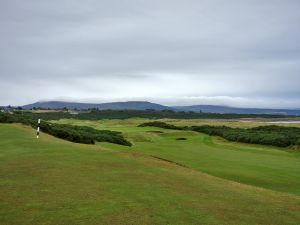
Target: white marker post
38,129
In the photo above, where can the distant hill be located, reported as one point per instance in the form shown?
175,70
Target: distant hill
144,105
226,109
136,105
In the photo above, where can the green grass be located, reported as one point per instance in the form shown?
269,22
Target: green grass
55,182
242,123
263,166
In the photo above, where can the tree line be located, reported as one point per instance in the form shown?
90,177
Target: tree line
147,114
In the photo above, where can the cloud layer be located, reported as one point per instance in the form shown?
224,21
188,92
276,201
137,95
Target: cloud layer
241,53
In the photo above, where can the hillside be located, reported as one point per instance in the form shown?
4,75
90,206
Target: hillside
144,105
137,105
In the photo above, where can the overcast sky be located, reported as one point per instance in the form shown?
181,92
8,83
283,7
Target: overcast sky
229,52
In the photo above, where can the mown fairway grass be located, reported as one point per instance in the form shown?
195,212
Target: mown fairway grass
52,181
263,166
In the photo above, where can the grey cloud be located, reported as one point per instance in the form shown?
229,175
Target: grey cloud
248,51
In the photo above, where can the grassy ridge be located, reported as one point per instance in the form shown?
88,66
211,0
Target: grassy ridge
266,135
51,181
77,134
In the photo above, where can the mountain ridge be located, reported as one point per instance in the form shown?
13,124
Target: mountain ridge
134,105
146,105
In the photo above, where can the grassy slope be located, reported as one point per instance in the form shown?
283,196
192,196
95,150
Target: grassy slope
262,166
51,181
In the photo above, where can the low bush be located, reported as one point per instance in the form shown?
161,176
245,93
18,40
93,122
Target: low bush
161,125
266,135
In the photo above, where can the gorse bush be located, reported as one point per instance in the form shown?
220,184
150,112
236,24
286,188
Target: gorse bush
161,125
67,132
78,134
261,135
7,118
265,135
83,134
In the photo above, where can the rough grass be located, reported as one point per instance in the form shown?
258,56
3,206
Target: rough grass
123,124
51,181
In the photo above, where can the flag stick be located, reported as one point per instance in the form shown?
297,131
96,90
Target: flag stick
38,129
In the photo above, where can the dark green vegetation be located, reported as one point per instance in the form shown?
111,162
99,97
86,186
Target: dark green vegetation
52,181
265,135
161,125
126,114
83,134
78,134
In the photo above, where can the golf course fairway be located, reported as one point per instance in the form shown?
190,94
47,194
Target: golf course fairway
159,180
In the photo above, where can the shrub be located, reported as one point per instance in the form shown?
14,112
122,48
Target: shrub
161,125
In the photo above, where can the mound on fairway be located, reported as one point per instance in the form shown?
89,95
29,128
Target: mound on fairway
51,181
